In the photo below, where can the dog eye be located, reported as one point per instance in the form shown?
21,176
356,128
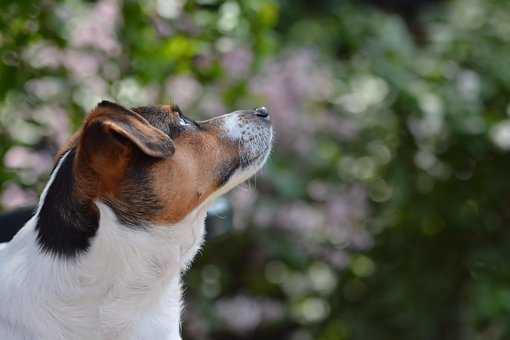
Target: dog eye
183,120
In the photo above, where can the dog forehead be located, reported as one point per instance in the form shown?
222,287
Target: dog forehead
157,116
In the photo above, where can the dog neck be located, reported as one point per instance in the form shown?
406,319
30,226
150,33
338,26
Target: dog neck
115,283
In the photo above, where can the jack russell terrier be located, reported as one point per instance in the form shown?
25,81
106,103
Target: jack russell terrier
121,217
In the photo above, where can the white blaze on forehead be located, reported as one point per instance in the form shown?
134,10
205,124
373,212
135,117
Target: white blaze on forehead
232,127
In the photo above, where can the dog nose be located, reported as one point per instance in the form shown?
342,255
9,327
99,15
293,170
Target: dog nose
262,112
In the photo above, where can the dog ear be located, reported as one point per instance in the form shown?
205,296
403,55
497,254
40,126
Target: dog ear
111,138
128,126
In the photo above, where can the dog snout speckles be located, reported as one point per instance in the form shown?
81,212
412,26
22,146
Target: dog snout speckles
251,132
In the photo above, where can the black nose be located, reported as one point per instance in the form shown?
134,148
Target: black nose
262,112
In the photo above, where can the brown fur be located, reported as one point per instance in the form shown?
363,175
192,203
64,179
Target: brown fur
191,175
127,159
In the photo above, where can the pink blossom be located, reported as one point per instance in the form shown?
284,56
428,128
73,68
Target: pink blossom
20,157
45,88
97,27
81,64
57,122
13,196
210,104
183,90
237,62
243,314
43,55
290,85
242,200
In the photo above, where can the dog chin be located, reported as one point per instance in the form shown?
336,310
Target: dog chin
250,165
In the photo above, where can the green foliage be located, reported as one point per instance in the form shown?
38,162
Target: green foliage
383,212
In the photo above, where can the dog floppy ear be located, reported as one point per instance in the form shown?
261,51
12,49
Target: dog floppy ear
118,121
111,138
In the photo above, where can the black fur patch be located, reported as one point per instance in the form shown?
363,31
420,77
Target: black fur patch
65,225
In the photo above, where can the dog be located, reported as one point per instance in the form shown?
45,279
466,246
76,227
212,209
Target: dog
121,217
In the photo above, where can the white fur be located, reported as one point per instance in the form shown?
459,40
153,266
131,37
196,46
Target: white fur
125,286
231,126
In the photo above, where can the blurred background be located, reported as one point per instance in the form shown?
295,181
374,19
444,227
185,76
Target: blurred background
384,211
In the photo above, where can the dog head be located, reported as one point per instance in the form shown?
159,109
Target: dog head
155,165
